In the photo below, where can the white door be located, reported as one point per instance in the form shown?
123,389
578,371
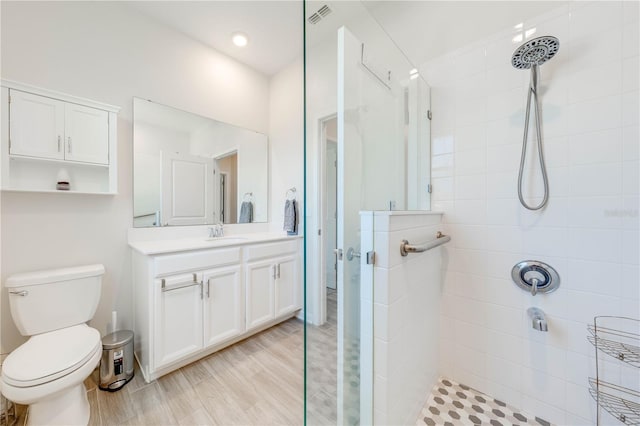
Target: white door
286,285
187,189
36,125
260,277
178,318
223,304
86,134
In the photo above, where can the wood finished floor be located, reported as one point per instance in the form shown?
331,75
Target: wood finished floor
258,381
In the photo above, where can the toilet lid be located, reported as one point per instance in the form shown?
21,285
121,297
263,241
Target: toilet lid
48,356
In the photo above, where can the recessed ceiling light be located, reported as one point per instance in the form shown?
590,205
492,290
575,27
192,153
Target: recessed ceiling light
240,39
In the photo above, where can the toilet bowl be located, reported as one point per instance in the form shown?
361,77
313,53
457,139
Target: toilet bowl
48,371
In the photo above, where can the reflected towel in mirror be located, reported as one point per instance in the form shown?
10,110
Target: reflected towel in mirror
246,212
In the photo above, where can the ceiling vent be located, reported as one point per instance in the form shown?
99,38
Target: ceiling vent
319,14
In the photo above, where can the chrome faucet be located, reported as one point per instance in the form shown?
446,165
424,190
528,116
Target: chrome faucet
538,319
216,231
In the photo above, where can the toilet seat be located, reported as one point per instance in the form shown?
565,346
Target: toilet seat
48,356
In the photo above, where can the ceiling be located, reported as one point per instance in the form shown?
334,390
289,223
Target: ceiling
274,27
422,29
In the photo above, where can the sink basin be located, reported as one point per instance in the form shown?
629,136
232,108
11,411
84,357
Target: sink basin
226,240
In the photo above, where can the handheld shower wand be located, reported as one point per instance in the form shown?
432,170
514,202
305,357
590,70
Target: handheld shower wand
531,55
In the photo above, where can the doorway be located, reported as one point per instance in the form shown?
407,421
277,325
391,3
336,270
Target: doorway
331,203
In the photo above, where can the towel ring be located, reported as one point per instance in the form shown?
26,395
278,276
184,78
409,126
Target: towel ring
291,191
247,194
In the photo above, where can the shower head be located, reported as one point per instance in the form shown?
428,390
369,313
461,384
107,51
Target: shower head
536,51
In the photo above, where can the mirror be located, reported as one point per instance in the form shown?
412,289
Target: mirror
193,170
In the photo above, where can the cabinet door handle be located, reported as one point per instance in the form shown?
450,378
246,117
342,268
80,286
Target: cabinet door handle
59,140
208,290
278,270
69,144
274,272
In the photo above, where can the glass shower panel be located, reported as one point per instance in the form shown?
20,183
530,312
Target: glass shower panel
383,144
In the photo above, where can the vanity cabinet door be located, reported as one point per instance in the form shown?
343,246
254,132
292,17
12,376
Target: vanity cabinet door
178,318
260,283
286,285
86,134
223,304
36,125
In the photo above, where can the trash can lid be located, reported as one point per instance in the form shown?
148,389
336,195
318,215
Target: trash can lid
117,339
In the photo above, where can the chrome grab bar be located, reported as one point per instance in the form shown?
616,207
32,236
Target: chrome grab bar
406,248
180,285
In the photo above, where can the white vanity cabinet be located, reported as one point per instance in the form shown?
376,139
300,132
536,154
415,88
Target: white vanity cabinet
48,135
191,303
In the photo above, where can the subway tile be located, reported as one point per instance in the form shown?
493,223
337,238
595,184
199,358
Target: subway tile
499,264
470,187
579,401
594,277
595,82
543,387
602,245
442,144
504,104
505,319
596,180
583,306
442,165
471,111
505,346
630,42
505,131
598,147
470,137
630,143
469,61
503,158
547,359
630,74
547,241
630,178
470,162
596,48
502,371
596,17
630,108
555,214
471,87
630,247
442,189
502,185
630,290
595,212
629,213
502,78
503,211
594,115
504,238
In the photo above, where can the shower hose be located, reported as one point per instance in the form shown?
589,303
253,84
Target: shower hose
533,90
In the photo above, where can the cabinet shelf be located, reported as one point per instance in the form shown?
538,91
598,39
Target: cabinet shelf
53,191
67,163
622,403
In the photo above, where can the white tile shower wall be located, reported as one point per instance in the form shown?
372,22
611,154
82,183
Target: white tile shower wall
588,231
407,293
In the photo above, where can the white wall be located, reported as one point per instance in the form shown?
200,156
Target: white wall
406,309
110,53
588,231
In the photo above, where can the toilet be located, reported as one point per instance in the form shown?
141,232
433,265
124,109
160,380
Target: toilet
48,371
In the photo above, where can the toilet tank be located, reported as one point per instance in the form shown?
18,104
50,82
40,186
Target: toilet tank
49,300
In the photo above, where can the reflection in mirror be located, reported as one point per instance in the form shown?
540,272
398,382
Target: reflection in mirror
193,170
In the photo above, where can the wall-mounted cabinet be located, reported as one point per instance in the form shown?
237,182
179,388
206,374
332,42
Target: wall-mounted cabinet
49,136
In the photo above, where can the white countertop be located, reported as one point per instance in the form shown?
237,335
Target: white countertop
185,244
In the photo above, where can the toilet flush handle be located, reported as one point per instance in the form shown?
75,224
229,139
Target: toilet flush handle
20,293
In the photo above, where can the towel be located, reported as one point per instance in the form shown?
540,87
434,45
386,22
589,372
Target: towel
246,212
291,217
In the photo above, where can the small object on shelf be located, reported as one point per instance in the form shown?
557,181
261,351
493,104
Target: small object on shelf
619,338
63,180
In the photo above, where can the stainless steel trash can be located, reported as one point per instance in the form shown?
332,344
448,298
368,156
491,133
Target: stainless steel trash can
116,366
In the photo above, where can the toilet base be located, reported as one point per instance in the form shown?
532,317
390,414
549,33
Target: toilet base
69,407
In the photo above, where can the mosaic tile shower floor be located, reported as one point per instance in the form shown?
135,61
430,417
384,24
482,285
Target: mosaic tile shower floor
453,404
